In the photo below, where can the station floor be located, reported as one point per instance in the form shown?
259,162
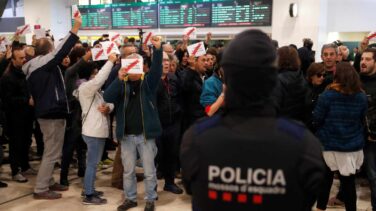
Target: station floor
18,196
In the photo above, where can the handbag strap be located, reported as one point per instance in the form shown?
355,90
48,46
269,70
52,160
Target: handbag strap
84,117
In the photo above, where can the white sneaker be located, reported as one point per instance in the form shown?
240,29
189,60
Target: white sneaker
19,178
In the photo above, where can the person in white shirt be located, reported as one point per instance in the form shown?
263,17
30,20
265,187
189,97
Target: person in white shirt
95,126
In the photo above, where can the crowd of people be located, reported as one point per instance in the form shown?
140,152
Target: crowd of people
255,125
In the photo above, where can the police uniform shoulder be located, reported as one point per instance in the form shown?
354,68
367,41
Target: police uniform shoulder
207,123
292,128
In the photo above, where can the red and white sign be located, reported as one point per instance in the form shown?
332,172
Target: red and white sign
147,39
114,37
40,33
98,54
372,36
110,47
5,41
197,49
3,47
190,32
75,12
22,30
133,66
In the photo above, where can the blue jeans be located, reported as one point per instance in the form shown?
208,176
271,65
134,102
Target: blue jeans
370,167
130,145
95,148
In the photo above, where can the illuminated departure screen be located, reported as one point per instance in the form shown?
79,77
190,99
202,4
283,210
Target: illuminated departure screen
95,16
176,14
241,13
261,13
135,15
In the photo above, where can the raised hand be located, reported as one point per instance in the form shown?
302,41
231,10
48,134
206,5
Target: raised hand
364,44
208,38
185,39
146,50
156,41
112,57
16,37
121,74
8,54
77,24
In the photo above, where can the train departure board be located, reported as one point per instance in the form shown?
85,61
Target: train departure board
95,16
176,14
261,12
135,15
241,13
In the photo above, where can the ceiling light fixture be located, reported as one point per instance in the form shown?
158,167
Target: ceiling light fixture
293,10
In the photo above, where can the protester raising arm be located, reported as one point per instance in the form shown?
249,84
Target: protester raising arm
50,57
155,72
93,85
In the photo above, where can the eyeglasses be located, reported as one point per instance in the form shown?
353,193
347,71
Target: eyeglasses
319,75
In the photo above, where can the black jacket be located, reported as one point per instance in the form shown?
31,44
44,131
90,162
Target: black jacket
3,65
14,91
329,77
314,93
249,160
70,79
71,76
168,100
113,75
46,82
307,57
292,95
191,84
357,59
369,85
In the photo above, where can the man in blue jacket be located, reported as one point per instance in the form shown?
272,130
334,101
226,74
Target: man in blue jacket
46,84
137,127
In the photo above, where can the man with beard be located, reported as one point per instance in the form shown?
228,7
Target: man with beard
368,78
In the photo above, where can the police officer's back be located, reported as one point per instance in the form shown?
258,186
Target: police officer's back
247,159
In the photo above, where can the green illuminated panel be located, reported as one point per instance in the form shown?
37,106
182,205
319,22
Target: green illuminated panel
96,16
135,15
